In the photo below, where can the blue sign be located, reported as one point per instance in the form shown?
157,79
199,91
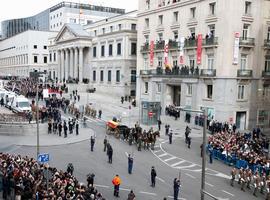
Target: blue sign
43,158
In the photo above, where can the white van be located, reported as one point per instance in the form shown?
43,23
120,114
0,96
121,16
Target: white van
21,104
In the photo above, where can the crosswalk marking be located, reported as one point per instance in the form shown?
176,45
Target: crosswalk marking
164,154
171,158
178,163
157,151
188,166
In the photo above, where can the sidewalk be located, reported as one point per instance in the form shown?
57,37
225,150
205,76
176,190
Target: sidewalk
112,107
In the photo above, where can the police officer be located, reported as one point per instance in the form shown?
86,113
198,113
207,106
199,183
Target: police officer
92,143
77,128
139,143
65,129
60,129
130,164
153,176
176,188
170,137
105,141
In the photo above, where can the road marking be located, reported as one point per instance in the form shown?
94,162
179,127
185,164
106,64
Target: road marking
209,184
160,179
190,176
149,193
160,139
124,189
228,193
170,159
175,164
171,197
102,186
184,167
157,151
164,154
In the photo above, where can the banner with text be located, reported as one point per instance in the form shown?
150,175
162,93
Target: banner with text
199,49
236,48
152,46
166,51
182,45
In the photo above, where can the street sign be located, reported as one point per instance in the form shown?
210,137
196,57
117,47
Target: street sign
43,158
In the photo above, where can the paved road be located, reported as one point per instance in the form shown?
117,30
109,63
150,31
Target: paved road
169,160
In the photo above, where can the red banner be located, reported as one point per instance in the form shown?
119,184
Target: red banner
166,51
199,49
152,46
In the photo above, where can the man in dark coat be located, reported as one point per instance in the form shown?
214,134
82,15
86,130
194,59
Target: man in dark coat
153,176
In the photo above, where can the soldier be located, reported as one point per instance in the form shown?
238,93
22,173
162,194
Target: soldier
249,177
233,173
243,180
60,128
105,141
240,175
263,182
77,127
65,129
70,126
256,181
92,143
268,188
139,143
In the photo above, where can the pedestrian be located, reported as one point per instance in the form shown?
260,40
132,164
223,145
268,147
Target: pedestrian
2,102
170,136
211,155
59,128
79,97
99,114
176,188
77,127
189,142
70,168
92,143
167,128
139,143
70,128
109,153
201,146
233,174
105,141
130,164
116,182
159,124
131,195
90,180
65,129
153,176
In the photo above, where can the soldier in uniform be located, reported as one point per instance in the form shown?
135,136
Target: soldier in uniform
263,182
249,177
65,129
243,180
240,175
59,128
139,143
267,188
233,173
256,183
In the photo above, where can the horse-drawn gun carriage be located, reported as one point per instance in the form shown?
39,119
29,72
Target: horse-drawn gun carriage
116,129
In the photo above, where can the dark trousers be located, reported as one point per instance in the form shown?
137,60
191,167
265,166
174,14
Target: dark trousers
92,147
110,159
77,131
170,139
105,146
116,190
130,168
153,181
175,194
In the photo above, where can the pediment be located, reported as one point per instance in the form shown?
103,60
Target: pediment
65,34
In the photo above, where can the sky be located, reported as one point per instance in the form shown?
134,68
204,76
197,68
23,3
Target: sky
11,9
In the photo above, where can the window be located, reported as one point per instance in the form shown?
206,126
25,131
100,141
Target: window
133,76
45,59
189,89
268,34
193,12
101,75
103,30
111,29
44,47
160,20
247,7
245,31
212,7
119,49
160,36
147,4
133,48
158,87
146,21
175,17
110,49
175,62
35,46
241,90
95,32
109,75
54,56
175,35
192,32
145,63
243,63
267,64
72,20
35,59
133,27
146,37
263,118
209,91
191,61
94,75
119,27
212,29
50,57
102,50
160,62
210,61
94,52
89,22
146,87
117,76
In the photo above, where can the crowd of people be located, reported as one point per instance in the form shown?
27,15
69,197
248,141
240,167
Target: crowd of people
24,178
173,111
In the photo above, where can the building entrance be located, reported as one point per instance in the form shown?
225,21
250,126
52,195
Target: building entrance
241,120
176,91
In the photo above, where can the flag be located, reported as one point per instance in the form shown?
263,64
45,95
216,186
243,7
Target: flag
199,49
182,44
166,51
152,45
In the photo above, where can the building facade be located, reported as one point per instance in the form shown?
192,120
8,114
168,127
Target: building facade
25,52
54,18
206,54
102,54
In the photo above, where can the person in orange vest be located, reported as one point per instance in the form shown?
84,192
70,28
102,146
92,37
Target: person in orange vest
116,182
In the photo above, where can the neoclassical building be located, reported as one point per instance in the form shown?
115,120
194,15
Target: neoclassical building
102,54
229,42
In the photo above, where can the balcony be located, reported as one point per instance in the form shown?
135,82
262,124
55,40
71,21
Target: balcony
267,43
266,74
190,43
160,45
213,41
173,44
244,73
247,42
145,47
208,72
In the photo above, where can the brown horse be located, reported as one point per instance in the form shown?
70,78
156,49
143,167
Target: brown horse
150,139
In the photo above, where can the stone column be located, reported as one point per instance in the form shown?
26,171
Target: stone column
71,65
62,66
76,63
80,64
67,64
59,65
